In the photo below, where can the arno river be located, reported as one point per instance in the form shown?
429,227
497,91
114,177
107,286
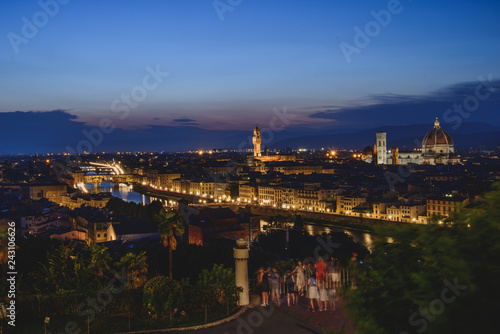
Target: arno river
126,193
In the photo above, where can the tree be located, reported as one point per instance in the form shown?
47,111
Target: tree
136,267
437,278
99,259
437,218
161,295
217,287
171,225
60,270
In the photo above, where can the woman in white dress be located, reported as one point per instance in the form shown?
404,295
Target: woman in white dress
300,278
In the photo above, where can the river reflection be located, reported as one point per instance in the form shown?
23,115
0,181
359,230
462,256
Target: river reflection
123,191
126,193
364,238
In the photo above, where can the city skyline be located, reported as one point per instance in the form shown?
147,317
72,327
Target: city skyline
219,67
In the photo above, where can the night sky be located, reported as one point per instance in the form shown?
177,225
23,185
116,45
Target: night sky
226,65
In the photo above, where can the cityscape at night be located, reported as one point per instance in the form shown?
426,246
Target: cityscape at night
236,166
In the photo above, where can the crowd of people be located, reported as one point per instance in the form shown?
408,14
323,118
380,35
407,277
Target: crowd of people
319,282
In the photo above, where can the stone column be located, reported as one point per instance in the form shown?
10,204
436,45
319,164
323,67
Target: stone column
241,270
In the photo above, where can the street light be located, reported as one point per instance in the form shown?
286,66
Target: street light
46,323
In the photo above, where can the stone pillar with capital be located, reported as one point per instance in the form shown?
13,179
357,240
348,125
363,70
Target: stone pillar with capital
241,271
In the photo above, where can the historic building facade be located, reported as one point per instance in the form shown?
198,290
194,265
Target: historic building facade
437,148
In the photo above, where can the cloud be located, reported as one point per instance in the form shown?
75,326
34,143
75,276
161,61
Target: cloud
392,109
184,120
54,131
321,107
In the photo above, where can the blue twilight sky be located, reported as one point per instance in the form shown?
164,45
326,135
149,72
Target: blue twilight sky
231,73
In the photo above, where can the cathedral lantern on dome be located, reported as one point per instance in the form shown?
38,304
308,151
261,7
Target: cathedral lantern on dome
438,147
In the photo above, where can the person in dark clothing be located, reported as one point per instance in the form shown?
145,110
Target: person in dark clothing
290,289
264,286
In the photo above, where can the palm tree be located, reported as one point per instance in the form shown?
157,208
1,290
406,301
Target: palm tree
99,259
61,269
170,225
136,267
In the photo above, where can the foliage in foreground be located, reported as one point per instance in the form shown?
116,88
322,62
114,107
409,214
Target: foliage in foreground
161,295
432,278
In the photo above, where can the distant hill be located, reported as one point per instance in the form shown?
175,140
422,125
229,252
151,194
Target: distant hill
404,137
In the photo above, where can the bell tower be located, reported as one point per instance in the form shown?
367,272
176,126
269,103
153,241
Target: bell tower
257,141
381,148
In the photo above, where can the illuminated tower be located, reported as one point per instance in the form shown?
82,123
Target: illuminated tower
381,148
257,140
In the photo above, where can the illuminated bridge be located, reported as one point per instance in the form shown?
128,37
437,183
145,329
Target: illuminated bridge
98,173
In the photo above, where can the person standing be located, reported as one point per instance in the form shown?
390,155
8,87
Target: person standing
336,273
274,280
330,264
265,288
323,297
312,293
332,296
300,279
320,271
290,288
308,273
